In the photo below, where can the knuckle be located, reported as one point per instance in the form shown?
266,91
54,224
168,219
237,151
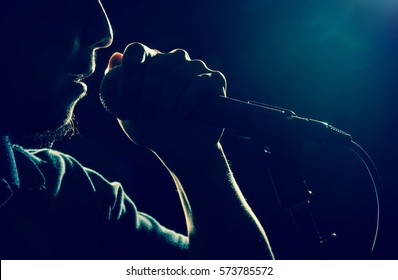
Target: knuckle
199,65
180,54
219,78
218,75
219,82
210,82
135,51
138,53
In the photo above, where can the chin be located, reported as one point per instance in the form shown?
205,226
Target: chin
40,119
41,131
42,138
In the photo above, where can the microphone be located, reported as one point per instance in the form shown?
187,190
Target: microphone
253,119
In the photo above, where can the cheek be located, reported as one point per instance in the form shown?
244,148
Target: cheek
39,34
41,66
33,70
33,79
32,66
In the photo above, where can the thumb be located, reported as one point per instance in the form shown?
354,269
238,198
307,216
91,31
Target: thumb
135,57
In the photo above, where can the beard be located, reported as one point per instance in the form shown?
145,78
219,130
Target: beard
47,138
42,123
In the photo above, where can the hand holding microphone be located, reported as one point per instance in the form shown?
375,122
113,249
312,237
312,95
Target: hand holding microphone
156,97
150,90
153,93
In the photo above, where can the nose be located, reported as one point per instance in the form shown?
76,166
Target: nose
97,31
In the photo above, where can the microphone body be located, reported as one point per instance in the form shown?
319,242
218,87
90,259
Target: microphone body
268,123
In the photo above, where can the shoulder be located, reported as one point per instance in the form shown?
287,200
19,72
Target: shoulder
66,177
47,161
55,163
85,192
48,158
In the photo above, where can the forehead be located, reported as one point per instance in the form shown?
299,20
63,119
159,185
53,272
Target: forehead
22,12
43,7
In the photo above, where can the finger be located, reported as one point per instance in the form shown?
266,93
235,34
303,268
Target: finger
156,74
174,85
135,57
197,93
114,60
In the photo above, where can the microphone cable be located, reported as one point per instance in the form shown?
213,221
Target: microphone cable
376,181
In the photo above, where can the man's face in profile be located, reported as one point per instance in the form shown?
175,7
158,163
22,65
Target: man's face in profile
48,48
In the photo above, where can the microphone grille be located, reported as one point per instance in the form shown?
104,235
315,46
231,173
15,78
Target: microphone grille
109,92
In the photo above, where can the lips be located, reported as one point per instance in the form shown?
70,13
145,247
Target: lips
82,67
75,86
80,77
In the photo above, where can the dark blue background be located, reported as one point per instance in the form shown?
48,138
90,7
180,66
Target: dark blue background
330,60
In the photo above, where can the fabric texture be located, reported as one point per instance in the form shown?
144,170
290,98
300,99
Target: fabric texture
55,208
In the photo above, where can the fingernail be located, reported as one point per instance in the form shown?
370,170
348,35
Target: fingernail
114,60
